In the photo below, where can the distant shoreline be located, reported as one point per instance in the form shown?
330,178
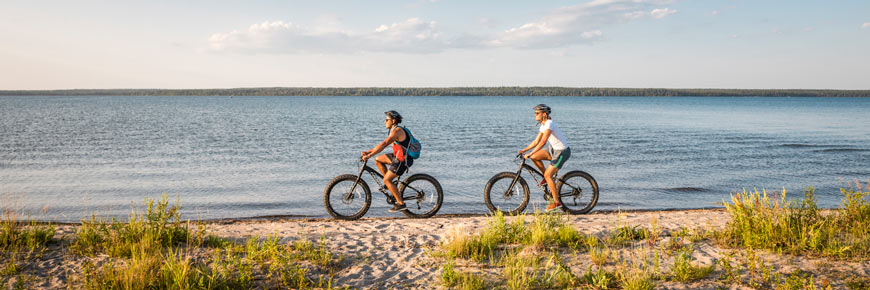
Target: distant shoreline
452,91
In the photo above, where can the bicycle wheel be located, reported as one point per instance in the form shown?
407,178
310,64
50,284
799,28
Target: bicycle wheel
341,203
422,195
578,192
500,196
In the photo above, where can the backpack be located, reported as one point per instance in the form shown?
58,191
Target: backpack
414,146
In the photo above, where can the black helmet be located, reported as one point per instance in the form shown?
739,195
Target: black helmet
393,115
542,108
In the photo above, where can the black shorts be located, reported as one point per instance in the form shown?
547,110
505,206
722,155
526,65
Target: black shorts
399,167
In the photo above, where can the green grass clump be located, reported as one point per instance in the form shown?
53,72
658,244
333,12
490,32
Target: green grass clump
544,230
466,281
20,241
599,255
17,236
551,229
751,270
484,245
535,272
638,269
799,226
626,235
636,280
155,250
858,283
682,269
599,279
516,247
158,227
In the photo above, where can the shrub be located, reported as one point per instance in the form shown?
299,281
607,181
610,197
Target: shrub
798,226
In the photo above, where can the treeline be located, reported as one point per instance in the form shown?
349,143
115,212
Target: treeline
458,91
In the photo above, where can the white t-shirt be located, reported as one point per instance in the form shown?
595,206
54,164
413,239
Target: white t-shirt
557,139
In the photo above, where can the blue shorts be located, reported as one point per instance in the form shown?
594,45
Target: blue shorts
558,157
399,167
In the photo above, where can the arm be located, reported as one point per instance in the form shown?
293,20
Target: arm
533,144
394,135
542,139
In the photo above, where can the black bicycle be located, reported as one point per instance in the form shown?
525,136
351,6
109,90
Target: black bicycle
508,192
348,196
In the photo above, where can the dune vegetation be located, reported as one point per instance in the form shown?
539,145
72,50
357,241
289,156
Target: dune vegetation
770,241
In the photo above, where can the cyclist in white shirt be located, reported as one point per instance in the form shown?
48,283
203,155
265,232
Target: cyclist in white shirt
557,152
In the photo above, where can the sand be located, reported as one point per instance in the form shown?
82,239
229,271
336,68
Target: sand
395,253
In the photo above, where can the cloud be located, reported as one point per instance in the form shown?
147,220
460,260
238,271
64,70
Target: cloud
277,37
635,15
561,27
866,25
661,13
715,13
577,24
412,35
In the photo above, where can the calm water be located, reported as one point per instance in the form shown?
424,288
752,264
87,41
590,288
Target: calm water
63,158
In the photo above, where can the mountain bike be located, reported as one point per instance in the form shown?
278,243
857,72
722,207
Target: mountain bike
349,197
508,192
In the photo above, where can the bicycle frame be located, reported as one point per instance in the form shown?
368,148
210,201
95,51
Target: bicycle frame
378,177
533,171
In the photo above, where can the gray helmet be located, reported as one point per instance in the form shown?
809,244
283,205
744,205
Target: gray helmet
542,108
393,115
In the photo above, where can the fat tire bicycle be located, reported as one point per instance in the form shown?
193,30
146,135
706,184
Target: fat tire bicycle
348,196
508,192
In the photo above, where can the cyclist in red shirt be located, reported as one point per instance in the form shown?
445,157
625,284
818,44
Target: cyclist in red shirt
398,160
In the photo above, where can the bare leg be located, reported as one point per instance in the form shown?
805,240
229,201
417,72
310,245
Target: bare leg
381,161
548,175
388,180
537,157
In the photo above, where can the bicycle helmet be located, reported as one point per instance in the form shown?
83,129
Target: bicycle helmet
542,108
394,115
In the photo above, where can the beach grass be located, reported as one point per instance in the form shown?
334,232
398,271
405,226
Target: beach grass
529,250
683,270
20,240
450,277
799,226
156,250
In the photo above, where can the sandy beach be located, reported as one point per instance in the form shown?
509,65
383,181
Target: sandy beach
399,253
392,253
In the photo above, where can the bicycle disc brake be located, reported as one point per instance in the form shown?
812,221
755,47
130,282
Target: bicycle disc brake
348,198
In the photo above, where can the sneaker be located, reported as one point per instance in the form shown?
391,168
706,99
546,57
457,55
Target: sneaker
554,206
398,207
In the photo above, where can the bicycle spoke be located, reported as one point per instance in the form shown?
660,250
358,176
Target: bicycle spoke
578,192
344,202
501,196
422,196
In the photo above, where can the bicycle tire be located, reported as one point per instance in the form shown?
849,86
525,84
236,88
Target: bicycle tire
346,180
423,191
579,185
506,178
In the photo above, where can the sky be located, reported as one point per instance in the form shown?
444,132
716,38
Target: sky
760,44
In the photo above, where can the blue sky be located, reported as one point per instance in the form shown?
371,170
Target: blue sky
435,43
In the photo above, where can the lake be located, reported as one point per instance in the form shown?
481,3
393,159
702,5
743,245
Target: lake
65,158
